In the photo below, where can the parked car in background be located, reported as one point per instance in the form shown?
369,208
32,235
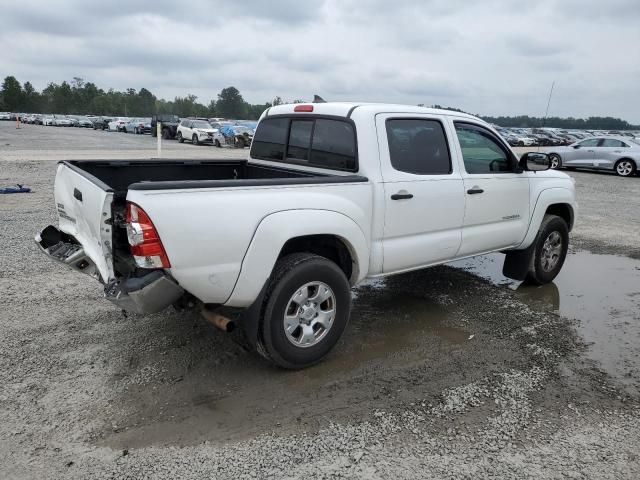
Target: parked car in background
117,124
83,122
62,121
138,126
237,136
102,123
6,116
197,132
168,124
619,154
49,121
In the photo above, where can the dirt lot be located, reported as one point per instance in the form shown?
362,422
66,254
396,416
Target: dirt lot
451,372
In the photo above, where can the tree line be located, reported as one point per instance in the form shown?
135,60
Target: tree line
525,121
82,98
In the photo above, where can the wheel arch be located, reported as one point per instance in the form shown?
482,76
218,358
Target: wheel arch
327,233
564,211
557,201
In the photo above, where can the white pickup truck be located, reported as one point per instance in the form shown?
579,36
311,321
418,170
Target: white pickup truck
331,194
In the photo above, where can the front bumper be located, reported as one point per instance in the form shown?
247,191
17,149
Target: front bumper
149,293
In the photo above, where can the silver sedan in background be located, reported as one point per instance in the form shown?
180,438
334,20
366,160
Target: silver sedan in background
619,154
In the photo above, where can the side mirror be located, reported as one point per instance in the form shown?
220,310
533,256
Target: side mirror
576,146
535,161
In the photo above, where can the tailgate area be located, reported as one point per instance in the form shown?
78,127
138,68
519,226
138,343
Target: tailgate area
84,213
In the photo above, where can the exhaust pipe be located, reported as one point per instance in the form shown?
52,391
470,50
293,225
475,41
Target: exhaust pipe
221,322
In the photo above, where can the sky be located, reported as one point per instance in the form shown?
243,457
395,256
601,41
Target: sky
491,57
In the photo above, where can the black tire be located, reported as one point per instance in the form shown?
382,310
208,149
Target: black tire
136,131
194,140
555,160
630,169
540,271
180,139
241,143
217,143
291,273
166,134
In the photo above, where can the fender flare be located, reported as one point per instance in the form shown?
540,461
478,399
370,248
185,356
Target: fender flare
276,229
546,198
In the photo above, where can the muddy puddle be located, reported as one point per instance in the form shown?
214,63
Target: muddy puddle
388,330
395,324
601,292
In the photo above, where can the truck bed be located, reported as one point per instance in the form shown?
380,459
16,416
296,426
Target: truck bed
121,175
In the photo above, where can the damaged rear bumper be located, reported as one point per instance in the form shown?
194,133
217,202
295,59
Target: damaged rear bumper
150,293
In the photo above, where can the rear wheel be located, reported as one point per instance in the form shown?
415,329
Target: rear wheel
625,167
555,160
180,139
550,251
306,309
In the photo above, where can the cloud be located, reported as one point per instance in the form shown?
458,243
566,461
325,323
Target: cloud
493,57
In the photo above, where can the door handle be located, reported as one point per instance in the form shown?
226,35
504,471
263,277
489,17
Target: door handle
401,195
474,190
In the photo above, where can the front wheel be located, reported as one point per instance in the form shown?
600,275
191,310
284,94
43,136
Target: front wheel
625,168
550,250
555,161
194,140
307,308
166,135
218,143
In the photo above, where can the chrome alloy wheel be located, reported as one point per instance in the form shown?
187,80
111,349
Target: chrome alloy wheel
551,251
624,168
309,314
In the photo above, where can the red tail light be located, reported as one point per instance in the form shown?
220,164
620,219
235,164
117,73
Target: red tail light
146,247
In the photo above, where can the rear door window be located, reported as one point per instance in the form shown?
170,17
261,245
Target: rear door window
418,146
612,143
270,139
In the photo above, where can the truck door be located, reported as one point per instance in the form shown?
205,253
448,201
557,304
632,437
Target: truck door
423,189
497,193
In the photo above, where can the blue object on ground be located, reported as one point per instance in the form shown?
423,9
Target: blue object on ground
17,189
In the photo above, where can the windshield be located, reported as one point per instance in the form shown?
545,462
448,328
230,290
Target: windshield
201,124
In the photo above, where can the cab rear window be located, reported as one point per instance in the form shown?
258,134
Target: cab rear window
306,140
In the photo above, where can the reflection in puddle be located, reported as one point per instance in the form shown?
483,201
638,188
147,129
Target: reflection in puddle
601,291
384,324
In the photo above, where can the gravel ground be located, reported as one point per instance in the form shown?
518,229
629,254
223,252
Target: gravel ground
440,374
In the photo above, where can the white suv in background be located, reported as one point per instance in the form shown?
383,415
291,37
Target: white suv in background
198,132
118,123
